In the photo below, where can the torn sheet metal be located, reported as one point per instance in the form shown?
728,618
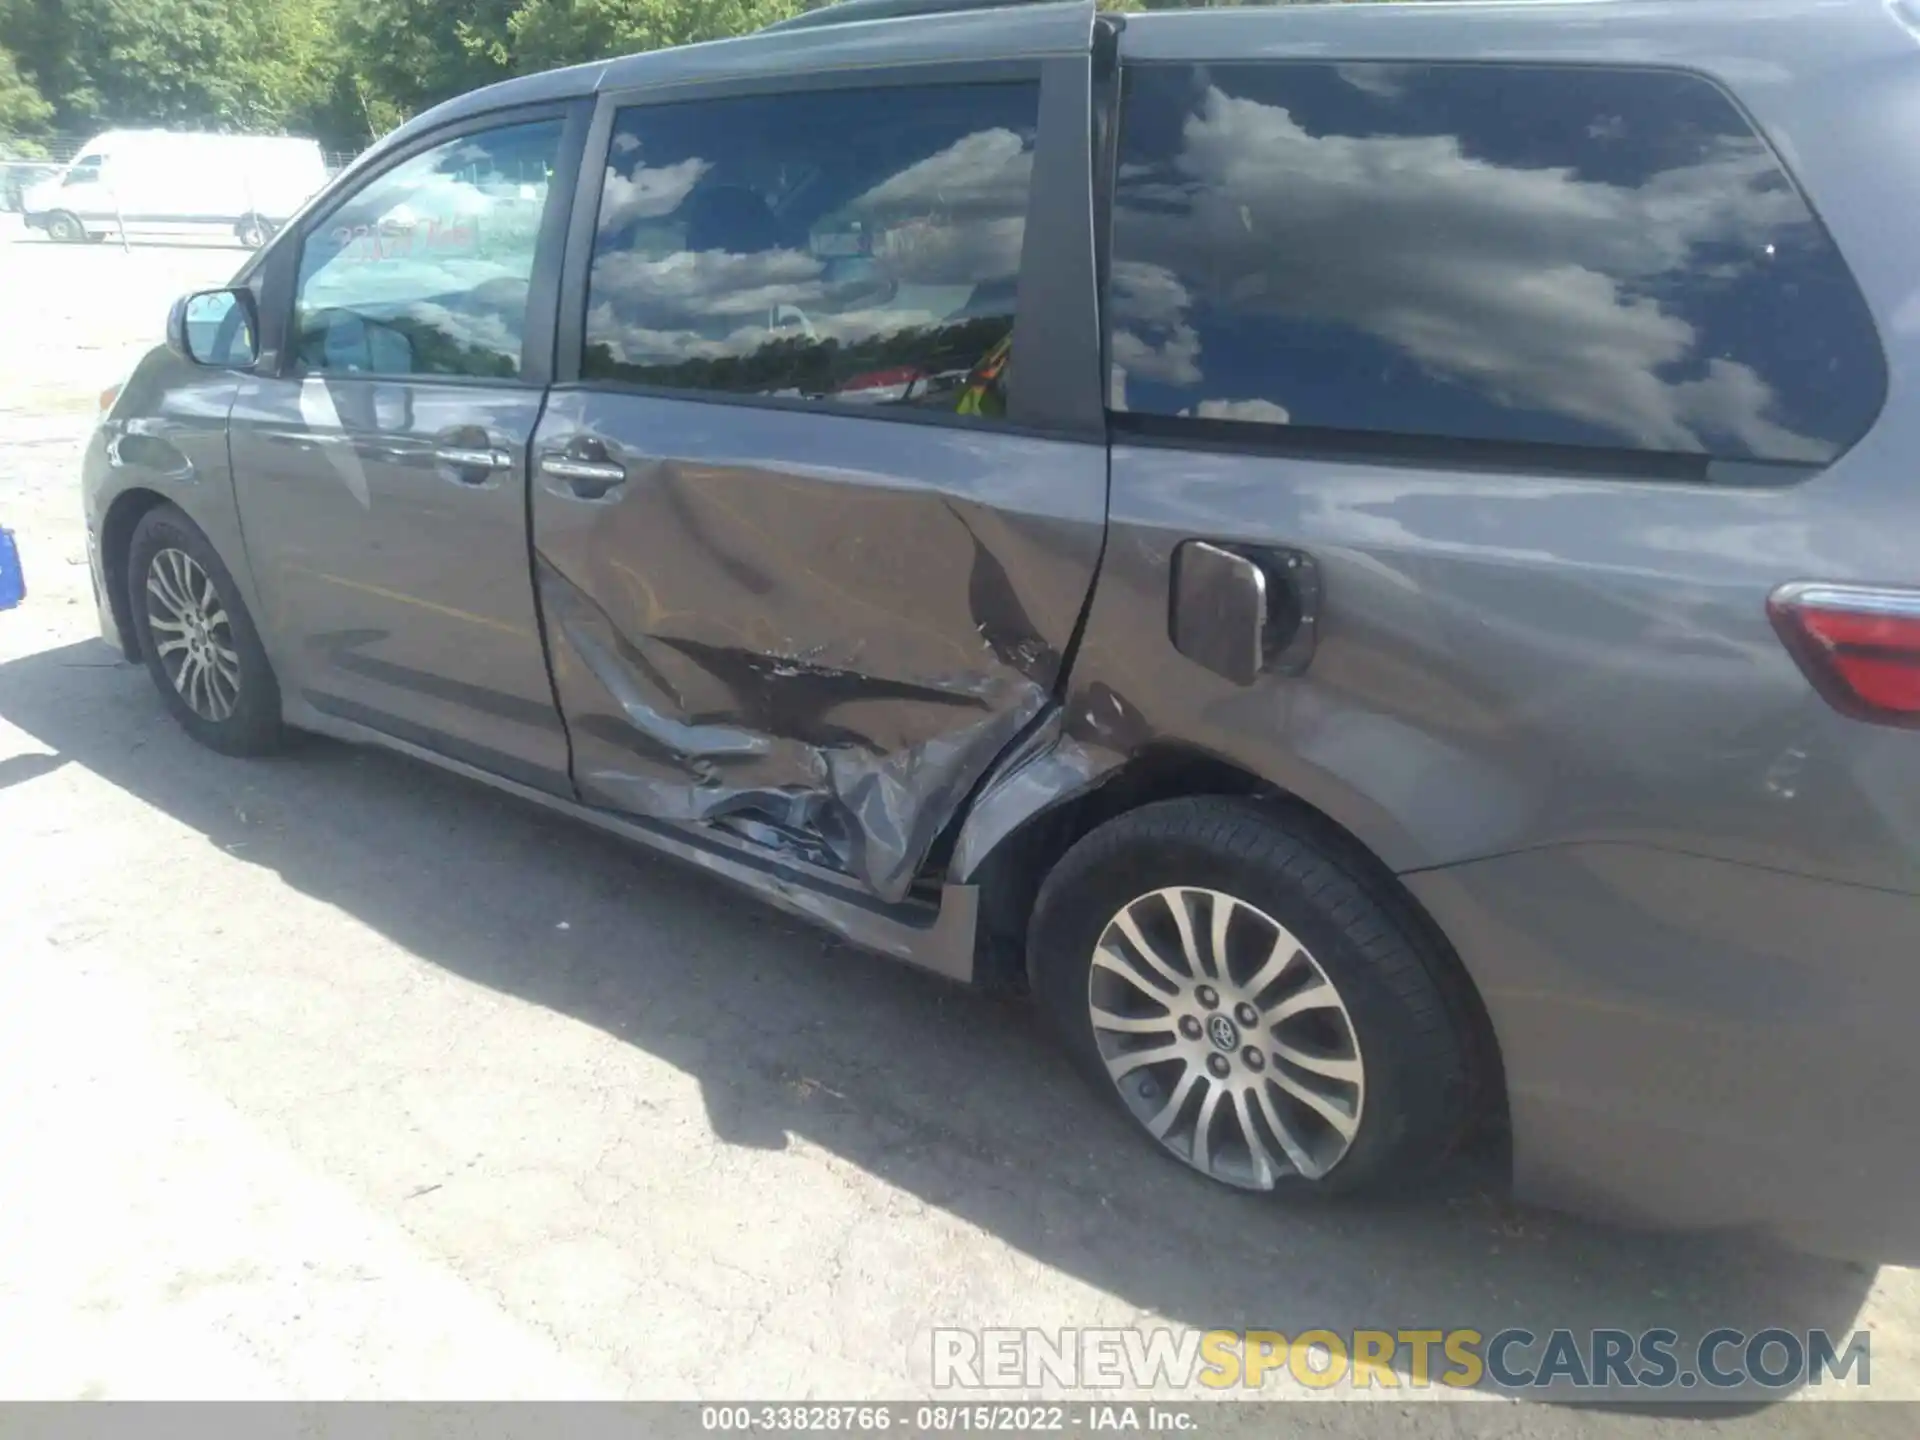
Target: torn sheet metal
800,780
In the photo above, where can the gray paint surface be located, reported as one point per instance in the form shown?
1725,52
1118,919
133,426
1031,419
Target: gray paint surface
1683,886
397,585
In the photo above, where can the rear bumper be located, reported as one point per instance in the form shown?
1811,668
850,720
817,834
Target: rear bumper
1691,1043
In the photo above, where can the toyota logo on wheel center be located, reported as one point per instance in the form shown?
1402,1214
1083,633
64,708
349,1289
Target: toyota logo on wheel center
1224,1034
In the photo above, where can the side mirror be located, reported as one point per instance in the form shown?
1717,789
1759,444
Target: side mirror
214,327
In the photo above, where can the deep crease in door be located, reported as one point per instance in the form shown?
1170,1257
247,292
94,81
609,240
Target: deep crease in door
749,710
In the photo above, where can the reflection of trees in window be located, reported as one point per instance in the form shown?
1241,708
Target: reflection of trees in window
431,348
438,352
928,364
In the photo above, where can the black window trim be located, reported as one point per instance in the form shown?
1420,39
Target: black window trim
1453,452
536,348
1065,300
1377,447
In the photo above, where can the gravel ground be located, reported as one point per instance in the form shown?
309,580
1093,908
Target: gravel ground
331,1076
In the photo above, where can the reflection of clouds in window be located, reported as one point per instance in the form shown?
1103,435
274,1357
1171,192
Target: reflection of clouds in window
689,286
1157,343
1384,82
1259,412
636,345
870,240
985,172
650,309
934,253
1535,287
493,332
648,193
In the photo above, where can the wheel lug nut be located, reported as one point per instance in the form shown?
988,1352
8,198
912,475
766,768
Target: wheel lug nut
1189,1027
1246,1014
1217,1064
1255,1060
1208,996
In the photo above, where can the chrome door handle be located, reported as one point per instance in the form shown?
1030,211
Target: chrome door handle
562,468
585,479
463,458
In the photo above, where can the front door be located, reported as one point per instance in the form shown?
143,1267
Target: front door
813,524
382,472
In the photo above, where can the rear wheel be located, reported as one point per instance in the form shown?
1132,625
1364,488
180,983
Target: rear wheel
198,640
65,228
1253,1006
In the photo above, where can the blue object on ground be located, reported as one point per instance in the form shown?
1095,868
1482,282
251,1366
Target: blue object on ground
13,584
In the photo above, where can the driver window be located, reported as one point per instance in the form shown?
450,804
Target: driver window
853,247
84,171
425,269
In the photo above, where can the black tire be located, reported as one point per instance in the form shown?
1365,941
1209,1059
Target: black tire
65,228
249,721
253,232
1412,1100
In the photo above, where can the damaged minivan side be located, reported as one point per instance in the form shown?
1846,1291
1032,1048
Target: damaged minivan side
1203,516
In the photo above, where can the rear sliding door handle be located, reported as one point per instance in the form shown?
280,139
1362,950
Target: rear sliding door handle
585,479
463,458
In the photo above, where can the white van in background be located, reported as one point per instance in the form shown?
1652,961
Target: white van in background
168,182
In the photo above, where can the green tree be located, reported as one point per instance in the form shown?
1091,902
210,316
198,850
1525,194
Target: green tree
400,56
220,64
23,111
541,34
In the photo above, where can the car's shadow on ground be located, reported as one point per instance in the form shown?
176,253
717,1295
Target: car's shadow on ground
951,1096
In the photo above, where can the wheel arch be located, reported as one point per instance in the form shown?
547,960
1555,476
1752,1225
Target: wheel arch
1011,873
116,542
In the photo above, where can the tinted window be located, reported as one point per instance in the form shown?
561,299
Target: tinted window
848,246
1563,256
425,269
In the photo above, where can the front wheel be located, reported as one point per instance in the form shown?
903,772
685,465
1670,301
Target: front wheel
253,232
65,228
1260,1011
198,640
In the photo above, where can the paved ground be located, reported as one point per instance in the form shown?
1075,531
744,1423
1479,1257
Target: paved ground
331,1076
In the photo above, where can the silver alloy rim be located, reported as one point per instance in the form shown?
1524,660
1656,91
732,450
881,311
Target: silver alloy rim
192,634
1226,1038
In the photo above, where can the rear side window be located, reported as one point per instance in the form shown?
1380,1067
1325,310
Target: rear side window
1484,253
851,247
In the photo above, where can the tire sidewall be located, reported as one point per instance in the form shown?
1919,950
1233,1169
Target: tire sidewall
1088,889
254,725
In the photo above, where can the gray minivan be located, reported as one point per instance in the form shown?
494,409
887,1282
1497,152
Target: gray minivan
1365,553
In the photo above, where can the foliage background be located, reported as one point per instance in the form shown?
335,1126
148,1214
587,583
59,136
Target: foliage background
344,71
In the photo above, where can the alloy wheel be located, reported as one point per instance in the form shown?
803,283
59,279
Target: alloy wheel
1226,1038
192,634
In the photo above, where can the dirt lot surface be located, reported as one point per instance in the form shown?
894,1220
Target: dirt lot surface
333,1076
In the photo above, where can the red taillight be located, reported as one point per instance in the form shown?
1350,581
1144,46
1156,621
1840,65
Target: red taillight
1860,647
